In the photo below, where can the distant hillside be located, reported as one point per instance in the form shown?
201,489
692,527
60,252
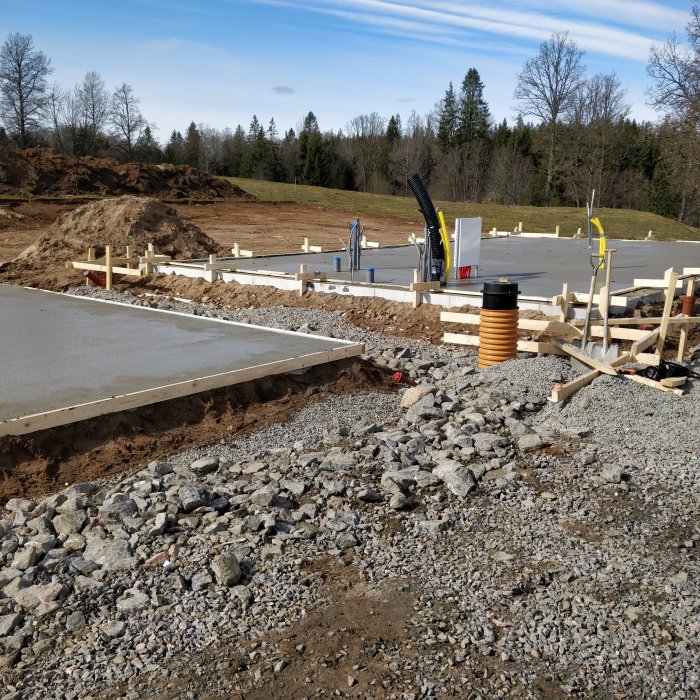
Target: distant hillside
618,223
46,172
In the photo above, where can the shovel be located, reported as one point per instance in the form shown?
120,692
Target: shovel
599,351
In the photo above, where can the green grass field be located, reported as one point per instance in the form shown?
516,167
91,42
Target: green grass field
618,223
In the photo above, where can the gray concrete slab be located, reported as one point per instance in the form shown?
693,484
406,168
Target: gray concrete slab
539,265
61,351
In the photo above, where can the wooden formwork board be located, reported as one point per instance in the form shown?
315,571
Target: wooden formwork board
113,404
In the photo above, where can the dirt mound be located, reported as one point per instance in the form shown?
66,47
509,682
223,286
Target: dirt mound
134,221
45,171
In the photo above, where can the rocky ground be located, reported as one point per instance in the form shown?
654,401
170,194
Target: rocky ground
460,538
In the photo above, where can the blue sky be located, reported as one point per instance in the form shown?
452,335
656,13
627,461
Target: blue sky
218,62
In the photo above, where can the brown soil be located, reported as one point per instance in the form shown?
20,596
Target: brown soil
45,171
119,222
355,635
109,445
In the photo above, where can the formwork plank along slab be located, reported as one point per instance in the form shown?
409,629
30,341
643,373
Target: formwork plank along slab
70,358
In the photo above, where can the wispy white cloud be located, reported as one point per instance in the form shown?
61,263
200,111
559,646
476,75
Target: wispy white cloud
521,20
636,13
178,45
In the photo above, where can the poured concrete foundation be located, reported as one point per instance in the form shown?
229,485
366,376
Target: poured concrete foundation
539,265
68,358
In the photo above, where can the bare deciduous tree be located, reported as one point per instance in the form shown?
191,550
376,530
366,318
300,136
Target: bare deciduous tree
510,172
676,91
412,153
23,85
365,135
676,73
547,87
126,120
90,110
598,108
56,108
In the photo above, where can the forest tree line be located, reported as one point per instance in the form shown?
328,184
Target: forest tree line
573,134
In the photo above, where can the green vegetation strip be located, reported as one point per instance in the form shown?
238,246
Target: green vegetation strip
618,223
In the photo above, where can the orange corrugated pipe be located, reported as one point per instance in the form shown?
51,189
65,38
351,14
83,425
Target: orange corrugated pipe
498,330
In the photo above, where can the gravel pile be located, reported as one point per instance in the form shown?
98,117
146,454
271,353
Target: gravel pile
546,557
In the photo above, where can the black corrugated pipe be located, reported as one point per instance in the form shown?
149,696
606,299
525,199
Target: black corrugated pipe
429,214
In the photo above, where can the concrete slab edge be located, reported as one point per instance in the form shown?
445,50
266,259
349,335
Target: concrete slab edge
114,404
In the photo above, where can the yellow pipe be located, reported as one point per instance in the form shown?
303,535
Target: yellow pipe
446,245
602,240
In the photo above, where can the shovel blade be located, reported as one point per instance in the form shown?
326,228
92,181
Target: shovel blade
594,350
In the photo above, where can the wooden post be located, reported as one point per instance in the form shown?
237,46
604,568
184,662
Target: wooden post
685,330
128,256
564,306
108,267
305,246
213,272
520,226
556,231
236,250
302,282
90,257
417,295
663,329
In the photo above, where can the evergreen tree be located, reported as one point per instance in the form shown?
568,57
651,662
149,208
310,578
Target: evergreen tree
175,149
147,148
193,145
309,128
289,156
254,129
502,134
316,165
473,115
447,124
253,162
272,163
392,136
234,149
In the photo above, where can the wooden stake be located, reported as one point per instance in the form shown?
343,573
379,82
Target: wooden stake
108,267
90,257
417,296
562,392
564,306
653,384
683,339
213,272
663,329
